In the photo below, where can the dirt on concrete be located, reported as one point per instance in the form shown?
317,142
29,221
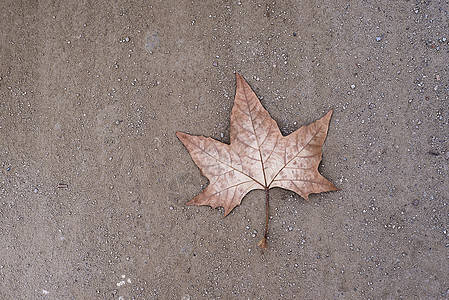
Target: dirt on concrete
93,181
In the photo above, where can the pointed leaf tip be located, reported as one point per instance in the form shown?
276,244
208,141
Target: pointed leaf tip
328,116
181,136
239,78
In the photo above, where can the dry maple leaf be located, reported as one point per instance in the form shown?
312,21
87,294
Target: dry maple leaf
259,156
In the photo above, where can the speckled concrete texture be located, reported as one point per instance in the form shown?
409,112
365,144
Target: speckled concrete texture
93,181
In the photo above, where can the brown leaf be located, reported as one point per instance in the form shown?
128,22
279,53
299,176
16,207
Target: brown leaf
259,157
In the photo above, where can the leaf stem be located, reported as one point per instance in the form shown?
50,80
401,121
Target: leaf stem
263,242
267,197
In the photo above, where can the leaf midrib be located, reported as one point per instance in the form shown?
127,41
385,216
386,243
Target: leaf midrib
257,139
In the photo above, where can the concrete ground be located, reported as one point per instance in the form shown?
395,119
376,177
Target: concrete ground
93,181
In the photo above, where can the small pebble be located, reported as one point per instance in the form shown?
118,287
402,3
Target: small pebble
352,86
378,38
415,202
215,64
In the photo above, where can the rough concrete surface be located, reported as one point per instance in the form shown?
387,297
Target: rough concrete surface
93,181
